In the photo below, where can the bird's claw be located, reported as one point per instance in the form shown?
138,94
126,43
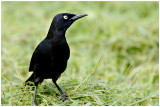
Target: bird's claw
64,97
35,102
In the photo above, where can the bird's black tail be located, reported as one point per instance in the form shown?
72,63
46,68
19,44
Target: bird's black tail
30,80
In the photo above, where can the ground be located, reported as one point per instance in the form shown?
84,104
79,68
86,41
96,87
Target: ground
125,35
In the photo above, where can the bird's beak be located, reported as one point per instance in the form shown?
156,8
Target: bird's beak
77,16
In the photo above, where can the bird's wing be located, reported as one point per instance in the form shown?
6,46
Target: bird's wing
43,53
33,59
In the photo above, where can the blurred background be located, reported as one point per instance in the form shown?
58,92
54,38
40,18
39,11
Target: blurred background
125,33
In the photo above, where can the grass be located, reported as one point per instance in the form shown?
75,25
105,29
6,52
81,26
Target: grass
125,34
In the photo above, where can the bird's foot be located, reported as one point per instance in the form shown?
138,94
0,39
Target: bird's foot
35,102
64,97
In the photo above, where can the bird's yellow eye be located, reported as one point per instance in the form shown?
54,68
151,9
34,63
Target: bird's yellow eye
65,17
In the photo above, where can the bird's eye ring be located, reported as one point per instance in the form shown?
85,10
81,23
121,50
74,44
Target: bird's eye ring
65,17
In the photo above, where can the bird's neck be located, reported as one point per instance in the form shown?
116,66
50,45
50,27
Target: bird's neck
56,34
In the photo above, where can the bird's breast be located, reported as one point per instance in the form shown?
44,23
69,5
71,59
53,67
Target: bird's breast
62,52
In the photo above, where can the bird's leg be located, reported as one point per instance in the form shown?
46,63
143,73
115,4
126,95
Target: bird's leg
35,90
59,88
64,95
34,100
36,81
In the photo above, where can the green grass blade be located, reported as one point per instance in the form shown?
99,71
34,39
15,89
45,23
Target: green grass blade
87,76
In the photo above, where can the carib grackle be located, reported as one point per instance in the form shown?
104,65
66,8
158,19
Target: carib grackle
50,57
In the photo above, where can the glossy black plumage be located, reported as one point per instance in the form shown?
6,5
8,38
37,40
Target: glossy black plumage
50,57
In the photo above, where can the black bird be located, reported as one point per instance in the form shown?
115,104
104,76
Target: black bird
50,57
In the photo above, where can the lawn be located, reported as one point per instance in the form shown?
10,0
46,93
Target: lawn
114,56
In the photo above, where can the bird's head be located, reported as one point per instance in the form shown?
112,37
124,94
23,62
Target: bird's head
64,20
